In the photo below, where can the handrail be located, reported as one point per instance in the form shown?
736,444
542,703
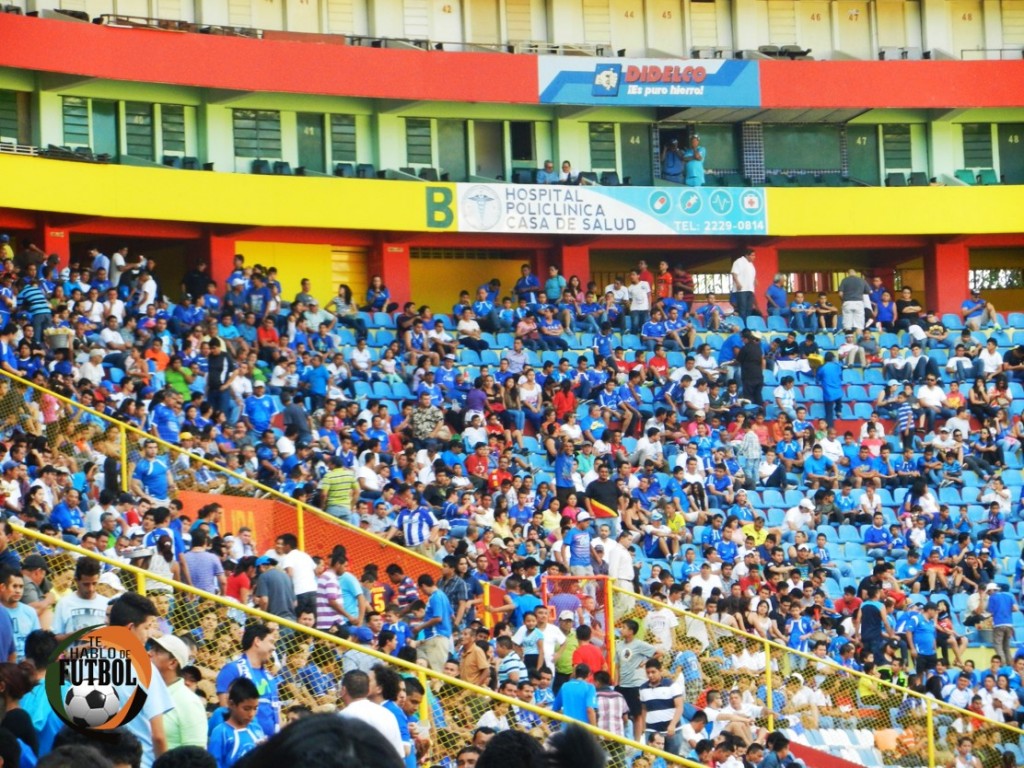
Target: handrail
348,645
385,543
772,645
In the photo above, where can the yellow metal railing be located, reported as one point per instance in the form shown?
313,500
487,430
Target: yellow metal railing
719,634
191,602
315,530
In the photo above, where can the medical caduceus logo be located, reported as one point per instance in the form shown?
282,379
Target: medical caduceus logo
481,208
97,678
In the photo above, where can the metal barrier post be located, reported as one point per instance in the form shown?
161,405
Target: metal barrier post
300,524
487,615
769,685
929,727
124,459
609,617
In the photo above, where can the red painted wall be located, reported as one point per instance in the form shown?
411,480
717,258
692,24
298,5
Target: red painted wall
920,84
244,64
292,63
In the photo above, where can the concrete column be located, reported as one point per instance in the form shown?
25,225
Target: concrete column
946,270
766,261
221,253
55,240
391,262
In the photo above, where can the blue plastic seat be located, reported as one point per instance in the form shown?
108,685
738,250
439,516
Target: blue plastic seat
828,532
849,533
949,495
383,320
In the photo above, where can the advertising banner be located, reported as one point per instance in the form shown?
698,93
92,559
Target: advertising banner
595,210
649,82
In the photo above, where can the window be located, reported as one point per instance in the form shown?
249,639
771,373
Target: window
138,129
8,116
712,282
172,127
995,279
418,145
602,146
76,121
977,145
257,133
343,138
521,138
896,146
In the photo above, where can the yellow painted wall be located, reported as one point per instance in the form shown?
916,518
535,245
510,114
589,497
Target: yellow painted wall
293,263
438,282
885,211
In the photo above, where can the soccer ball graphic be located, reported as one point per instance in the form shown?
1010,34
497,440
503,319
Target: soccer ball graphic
91,706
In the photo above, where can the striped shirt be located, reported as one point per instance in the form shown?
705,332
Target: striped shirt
340,487
327,589
611,708
509,665
32,298
416,525
659,703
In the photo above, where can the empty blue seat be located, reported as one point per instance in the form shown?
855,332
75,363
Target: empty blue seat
848,533
949,495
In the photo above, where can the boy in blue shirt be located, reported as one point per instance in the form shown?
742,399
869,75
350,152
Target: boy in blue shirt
238,734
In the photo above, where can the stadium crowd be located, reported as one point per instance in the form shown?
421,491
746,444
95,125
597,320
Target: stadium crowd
531,439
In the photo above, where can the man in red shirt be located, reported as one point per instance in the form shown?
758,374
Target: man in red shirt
588,653
478,465
499,475
849,603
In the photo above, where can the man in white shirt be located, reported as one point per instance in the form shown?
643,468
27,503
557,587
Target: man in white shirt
618,291
300,568
931,398
744,275
355,689
147,290
649,448
696,397
997,493
990,361
639,301
706,580
800,517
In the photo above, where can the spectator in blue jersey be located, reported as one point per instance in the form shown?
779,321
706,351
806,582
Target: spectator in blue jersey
258,408
435,628
578,541
258,643
152,477
69,517
977,312
166,414
527,286
830,378
377,295
777,299
240,732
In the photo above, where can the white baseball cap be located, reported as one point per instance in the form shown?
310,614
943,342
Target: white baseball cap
174,646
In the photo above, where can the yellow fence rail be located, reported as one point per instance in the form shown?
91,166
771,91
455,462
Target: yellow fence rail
66,424
217,621
817,692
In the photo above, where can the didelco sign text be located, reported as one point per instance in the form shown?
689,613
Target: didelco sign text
666,74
